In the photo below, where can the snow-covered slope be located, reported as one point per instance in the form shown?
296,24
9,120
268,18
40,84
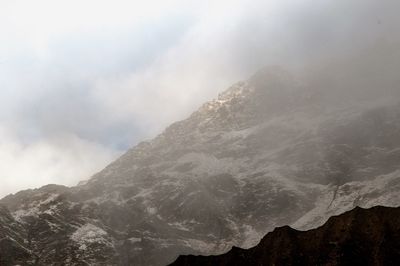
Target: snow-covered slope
268,152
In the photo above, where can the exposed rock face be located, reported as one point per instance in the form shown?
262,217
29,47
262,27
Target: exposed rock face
358,237
268,152
12,235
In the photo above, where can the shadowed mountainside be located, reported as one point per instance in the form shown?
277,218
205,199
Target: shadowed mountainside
358,237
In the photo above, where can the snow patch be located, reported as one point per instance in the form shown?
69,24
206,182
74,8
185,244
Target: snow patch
88,234
135,240
20,214
383,190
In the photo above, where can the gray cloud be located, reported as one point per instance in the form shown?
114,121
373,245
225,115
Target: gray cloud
87,83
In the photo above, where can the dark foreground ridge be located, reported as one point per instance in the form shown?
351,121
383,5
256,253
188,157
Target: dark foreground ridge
358,237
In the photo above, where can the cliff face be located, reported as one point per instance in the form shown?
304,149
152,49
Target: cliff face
270,151
358,237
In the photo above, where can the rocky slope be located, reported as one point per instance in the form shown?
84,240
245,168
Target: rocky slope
358,237
270,151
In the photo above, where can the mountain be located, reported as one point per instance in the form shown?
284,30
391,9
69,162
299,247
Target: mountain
358,237
270,151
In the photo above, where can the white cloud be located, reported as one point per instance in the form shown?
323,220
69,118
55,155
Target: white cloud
62,160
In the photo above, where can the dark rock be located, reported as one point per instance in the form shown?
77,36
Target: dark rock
358,237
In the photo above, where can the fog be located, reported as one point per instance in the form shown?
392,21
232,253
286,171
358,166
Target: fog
82,81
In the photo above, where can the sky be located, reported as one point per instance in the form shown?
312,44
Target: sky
82,81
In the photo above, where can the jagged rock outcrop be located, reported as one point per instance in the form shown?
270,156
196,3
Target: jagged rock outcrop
358,237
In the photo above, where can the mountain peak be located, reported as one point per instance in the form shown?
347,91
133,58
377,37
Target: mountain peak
269,74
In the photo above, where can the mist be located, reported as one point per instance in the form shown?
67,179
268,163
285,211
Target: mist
83,82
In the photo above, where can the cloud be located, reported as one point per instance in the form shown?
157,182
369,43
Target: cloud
94,77
230,42
47,161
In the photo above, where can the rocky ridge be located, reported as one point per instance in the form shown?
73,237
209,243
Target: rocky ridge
358,237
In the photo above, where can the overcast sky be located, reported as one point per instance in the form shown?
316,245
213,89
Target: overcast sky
81,81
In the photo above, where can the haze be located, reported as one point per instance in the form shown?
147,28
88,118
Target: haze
82,81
